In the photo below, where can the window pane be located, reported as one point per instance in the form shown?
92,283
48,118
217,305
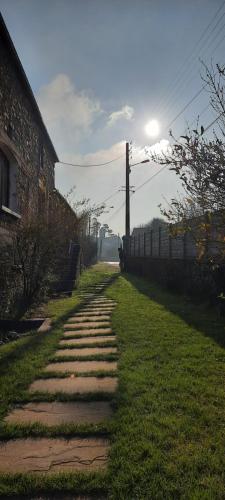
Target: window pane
4,180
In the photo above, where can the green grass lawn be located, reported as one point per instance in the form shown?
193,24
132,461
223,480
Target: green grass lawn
168,430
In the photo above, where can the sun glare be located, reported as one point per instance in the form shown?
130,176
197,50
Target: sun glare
152,128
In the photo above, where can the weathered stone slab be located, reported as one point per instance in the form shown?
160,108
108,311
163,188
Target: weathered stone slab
98,309
87,332
57,413
87,324
86,318
93,312
104,300
81,366
75,385
85,351
48,456
88,340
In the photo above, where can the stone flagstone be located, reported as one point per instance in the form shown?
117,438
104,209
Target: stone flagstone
81,366
93,312
53,455
81,319
88,324
94,308
74,385
88,340
85,351
87,332
57,413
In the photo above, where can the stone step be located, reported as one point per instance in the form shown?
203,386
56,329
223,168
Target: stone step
74,385
85,351
104,300
93,312
47,456
57,413
98,309
81,366
87,332
88,340
87,324
85,318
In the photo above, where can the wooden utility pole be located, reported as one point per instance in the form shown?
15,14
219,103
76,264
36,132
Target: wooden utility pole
127,217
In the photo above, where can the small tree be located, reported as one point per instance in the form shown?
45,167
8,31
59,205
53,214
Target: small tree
200,164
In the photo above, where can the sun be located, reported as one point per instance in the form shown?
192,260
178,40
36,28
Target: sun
152,128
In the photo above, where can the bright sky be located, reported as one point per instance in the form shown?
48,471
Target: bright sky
101,70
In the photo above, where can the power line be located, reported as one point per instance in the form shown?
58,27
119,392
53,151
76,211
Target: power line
181,79
214,121
158,173
186,106
91,165
164,167
109,197
150,178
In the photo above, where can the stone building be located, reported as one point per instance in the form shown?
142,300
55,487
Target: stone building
27,155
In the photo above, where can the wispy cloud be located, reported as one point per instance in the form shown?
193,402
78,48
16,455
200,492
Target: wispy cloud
125,113
67,112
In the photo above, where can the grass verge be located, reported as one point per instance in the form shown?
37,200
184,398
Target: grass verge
169,428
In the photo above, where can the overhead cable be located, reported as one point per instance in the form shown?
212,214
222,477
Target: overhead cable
90,165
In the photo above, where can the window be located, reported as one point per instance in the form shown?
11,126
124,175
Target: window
4,180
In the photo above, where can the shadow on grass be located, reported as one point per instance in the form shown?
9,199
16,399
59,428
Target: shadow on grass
199,316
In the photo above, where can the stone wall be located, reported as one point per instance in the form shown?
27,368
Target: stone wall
31,157
23,139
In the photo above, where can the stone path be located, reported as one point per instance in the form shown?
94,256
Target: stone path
83,364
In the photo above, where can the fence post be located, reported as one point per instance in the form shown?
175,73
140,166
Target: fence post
184,247
170,246
159,241
139,245
151,233
144,245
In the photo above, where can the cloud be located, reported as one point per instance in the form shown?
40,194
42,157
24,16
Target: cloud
125,113
67,112
159,147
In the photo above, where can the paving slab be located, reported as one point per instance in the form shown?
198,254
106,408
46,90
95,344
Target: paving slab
87,324
102,298
85,318
85,351
87,332
53,455
74,385
81,366
57,413
102,310
93,312
101,305
88,340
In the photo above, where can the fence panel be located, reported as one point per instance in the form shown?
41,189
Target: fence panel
160,244
164,248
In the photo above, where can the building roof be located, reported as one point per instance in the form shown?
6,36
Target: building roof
11,48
